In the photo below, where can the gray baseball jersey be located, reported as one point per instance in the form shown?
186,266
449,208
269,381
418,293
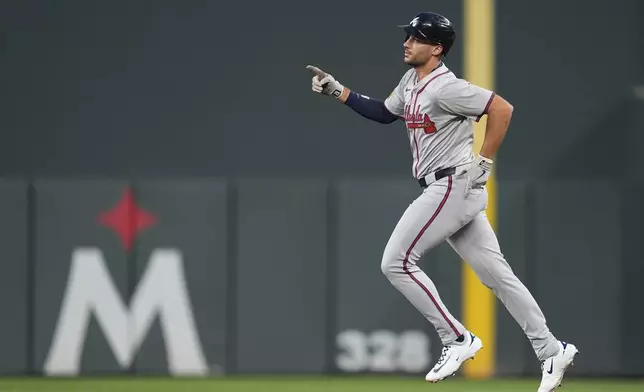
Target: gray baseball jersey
439,111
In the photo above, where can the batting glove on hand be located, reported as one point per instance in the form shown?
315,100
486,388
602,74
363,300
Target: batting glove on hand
324,83
480,172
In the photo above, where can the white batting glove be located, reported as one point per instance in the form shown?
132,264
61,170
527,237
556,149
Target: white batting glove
480,172
324,83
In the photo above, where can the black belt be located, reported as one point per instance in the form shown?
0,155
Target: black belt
438,174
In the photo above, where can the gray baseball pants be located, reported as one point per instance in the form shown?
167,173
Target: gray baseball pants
447,210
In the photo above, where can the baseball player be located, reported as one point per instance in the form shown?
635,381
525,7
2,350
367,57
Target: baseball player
438,110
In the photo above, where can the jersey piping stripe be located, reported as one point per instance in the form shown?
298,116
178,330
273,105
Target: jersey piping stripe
429,81
406,261
417,154
413,109
486,107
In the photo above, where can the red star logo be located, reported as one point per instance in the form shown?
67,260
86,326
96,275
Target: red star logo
127,219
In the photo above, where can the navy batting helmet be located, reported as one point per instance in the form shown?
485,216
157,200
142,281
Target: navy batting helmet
431,28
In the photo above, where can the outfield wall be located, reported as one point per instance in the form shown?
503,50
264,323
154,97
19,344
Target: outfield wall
211,276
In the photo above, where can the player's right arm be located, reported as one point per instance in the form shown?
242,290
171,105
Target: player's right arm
383,112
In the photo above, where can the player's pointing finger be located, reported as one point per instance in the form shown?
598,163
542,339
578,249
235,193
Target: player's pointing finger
316,71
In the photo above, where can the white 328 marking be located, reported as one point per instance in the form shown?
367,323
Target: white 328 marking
383,351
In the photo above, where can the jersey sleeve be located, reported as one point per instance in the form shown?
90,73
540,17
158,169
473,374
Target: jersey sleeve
463,98
395,102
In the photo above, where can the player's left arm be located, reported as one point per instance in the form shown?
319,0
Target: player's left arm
499,113
463,98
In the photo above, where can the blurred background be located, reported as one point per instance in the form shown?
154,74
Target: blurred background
175,199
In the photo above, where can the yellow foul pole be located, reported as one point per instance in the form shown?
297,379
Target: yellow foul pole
479,312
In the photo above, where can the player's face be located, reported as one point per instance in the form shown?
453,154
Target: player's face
418,53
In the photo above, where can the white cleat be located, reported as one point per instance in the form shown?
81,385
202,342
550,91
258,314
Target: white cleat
553,369
453,356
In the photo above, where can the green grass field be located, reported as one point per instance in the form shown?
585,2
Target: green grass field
304,384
